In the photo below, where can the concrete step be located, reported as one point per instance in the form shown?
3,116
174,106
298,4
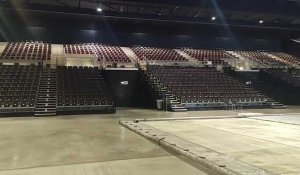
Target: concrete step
48,79
48,76
174,102
47,101
178,109
46,97
48,90
38,111
54,80
48,85
50,96
45,114
39,103
278,106
45,89
46,105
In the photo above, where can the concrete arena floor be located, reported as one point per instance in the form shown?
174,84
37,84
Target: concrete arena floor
92,144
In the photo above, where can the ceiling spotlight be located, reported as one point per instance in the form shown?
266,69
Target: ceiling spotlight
213,18
122,8
261,21
99,9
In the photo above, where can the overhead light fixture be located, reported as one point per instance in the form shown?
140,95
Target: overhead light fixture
159,13
99,9
261,21
213,18
122,8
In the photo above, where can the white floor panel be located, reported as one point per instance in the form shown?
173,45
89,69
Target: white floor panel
269,145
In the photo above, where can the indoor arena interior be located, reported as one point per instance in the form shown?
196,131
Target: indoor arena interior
148,87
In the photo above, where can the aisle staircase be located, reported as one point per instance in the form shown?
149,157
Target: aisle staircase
192,60
173,104
46,100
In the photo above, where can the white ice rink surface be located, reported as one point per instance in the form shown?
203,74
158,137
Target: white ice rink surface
272,145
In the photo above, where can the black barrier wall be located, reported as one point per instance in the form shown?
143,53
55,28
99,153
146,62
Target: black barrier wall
128,88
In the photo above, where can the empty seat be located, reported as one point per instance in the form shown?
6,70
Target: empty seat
216,57
27,51
287,57
158,54
261,58
203,85
18,88
111,54
81,86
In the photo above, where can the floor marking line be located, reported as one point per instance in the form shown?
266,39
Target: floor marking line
91,162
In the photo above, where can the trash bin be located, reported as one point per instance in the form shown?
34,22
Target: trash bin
160,104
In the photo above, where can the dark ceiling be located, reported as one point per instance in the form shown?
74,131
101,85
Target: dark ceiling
280,17
283,13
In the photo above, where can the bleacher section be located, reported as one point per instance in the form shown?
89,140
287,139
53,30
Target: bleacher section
177,75
216,57
81,49
106,56
206,88
158,55
287,57
27,51
261,58
111,53
112,56
82,89
18,88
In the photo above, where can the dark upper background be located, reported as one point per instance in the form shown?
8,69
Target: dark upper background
165,23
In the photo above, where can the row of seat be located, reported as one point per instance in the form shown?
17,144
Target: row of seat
37,51
27,51
84,49
214,56
103,52
76,87
287,57
82,87
200,85
111,53
261,58
19,85
158,54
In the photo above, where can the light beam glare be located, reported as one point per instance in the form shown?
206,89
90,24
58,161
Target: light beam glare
221,17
